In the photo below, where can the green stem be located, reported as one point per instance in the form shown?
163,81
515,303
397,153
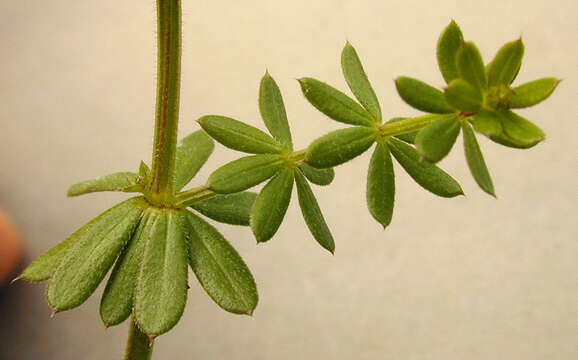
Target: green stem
139,346
167,106
408,125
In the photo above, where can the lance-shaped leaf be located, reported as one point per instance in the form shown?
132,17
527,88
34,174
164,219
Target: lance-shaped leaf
407,137
506,64
273,111
339,146
358,81
476,161
161,290
89,260
312,213
220,269
471,66
334,103
243,173
464,96
422,96
120,181
436,140
239,136
192,153
487,122
533,92
380,193
426,174
318,176
271,205
234,209
517,131
118,297
448,45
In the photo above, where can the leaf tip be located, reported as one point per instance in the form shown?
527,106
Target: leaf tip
54,312
250,312
152,337
19,277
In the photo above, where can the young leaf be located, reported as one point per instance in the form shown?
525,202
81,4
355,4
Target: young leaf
407,137
381,185
428,175
118,298
89,260
422,96
471,66
120,181
239,136
320,177
436,140
273,111
476,161
334,103
271,205
192,153
220,269
506,64
339,146
463,96
312,213
518,132
243,173
533,92
358,81
161,290
234,209
448,45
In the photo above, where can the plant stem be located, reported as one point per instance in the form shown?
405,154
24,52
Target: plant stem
408,125
167,106
139,346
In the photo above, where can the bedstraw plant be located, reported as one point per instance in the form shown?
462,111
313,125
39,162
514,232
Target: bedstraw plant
151,239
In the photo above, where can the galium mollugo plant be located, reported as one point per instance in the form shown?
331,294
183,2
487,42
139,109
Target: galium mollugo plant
151,239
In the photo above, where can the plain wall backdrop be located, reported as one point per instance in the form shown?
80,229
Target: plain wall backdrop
466,278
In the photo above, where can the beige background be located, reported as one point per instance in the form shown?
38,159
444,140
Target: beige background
468,278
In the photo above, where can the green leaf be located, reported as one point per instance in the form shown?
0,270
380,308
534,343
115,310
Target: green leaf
144,175
273,111
517,131
471,66
533,92
463,96
234,209
320,177
192,153
89,260
487,122
339,146
426,174
243,173
436,140
220,269
239,136
161,290
380,193
358,81
120,181
407,137
506,64
271,205
118,297
312,213
334,103
476,161
422,96
448,45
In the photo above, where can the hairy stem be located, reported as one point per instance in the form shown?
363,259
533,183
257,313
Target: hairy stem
139,346
167,105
